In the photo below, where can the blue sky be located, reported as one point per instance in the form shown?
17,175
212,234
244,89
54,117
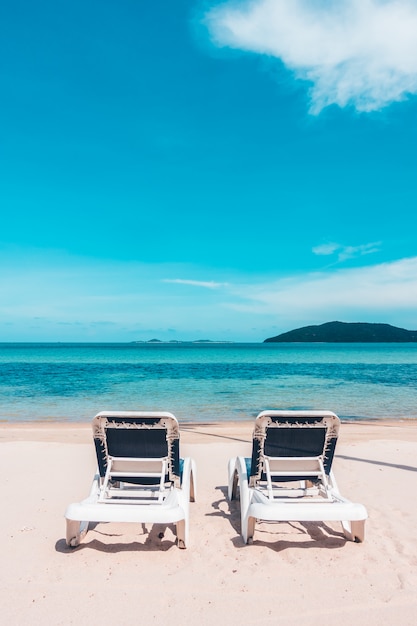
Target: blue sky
202,170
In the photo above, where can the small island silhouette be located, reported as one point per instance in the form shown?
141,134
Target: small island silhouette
347,332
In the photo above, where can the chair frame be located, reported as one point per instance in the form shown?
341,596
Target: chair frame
296,487
136,489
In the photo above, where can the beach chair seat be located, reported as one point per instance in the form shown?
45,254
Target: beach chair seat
289,476
140,476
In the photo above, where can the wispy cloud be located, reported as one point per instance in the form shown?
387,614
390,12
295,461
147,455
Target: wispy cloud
378,293
196,283
353,52
326,249
346,252
77,300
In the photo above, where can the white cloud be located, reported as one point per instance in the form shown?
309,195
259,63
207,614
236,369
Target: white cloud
379,292
346,252
326,249
195,283
350,252
353,52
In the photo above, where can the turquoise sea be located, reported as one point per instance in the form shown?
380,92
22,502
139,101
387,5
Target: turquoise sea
206,382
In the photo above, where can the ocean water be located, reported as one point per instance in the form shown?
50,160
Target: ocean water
206,382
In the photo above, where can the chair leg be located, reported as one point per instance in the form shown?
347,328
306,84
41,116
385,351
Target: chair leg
358,531
192,488
76,531
182,534
249,530
354,531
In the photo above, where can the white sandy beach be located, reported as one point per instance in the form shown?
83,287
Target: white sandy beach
126,574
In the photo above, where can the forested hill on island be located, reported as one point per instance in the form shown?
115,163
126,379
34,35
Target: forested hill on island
347,332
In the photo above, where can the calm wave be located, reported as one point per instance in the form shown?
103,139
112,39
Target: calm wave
206,382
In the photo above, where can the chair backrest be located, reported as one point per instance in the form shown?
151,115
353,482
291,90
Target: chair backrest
137,434
293,434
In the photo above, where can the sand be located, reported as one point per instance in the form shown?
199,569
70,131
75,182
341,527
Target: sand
127,574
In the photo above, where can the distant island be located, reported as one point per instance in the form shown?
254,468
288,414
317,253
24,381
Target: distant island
181,341
347,332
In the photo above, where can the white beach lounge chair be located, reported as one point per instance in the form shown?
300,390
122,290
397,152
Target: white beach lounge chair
140,476
289,477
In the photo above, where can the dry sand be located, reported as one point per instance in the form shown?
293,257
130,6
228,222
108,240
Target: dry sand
125,574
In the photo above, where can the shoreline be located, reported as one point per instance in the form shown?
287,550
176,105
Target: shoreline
210,432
